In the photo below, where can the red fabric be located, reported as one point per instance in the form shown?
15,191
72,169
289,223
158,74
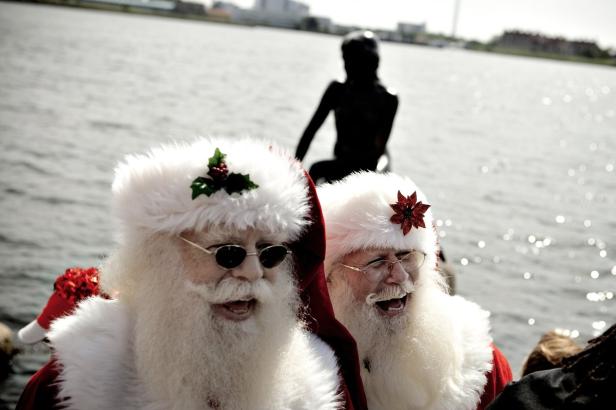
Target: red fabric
74,285
497,378
56,306
309,252
41,391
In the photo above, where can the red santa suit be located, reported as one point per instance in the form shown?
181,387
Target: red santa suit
497,378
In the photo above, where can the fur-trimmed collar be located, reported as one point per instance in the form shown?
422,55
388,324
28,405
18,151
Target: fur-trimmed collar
94,347
471,358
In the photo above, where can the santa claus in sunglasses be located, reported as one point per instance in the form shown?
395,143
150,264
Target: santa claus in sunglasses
420,348
220,299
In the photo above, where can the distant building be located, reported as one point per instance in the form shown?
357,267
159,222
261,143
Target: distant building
279,13
320,24
281,7
388,35
226,11
587,49
189,7
531,42
534,42
342,30
297,8
411,28
412,32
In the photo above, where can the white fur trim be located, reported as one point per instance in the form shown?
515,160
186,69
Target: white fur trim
311,381
472,341
31,333
357,212
153,191
94,348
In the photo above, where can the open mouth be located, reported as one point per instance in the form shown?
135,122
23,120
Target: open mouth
236,309
392,307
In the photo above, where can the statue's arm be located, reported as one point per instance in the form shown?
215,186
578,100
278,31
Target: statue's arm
316,121
390,113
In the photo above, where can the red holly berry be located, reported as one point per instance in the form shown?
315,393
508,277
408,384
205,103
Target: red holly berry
219,172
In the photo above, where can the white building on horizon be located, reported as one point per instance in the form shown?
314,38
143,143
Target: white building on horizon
281,6
411,28
412,32
280,13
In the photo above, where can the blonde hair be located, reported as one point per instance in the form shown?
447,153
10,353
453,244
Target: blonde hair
549,352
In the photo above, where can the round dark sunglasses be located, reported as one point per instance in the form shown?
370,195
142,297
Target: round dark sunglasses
231,256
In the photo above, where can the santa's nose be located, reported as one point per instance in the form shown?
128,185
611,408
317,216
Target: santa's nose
250,269
397,275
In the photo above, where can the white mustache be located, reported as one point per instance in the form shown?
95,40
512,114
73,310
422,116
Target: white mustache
391,292
232,289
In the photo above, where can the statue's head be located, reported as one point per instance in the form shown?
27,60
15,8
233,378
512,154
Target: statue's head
360,51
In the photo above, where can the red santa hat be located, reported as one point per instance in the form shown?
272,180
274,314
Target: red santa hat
309,251
236,184
69,289
372,210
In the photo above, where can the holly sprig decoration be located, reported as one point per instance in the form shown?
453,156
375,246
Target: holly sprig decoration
220,178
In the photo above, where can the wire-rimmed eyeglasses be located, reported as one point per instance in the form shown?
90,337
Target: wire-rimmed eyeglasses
376,270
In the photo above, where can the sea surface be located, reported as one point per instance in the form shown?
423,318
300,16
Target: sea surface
516,155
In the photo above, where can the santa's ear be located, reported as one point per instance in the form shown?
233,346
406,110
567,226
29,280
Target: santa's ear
335,273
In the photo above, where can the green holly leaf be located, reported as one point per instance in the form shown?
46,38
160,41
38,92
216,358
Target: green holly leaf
238,183
217,159
218,171
203,186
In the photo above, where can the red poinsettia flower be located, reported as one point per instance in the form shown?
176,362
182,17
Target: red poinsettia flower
408,212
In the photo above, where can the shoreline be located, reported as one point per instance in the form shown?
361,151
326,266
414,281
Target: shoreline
548,56
223,20
130,10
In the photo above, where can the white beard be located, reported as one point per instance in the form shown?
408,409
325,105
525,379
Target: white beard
189,358
158,345
411,357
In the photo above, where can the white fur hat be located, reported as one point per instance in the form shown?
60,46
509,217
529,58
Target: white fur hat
357,213
153,192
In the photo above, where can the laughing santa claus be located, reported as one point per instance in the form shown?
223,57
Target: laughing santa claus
419,347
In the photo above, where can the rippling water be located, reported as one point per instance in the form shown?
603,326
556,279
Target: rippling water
517,155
